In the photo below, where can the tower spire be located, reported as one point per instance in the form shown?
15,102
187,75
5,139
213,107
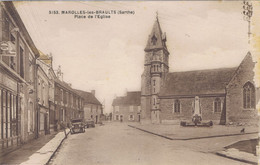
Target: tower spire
155,70
156,38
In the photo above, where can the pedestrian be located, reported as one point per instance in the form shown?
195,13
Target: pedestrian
63,126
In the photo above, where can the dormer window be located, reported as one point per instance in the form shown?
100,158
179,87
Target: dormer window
154,40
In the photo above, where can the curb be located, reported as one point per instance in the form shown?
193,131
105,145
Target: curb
205,137
153,133
52,155
241,160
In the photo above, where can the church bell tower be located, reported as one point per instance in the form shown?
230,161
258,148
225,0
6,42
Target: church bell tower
155,69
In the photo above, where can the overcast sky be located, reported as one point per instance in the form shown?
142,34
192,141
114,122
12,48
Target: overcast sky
108,54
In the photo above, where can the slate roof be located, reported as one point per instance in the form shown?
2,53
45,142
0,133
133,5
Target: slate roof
160,38
88,97
132,98
200,82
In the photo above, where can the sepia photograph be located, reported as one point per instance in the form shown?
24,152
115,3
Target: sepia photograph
129,82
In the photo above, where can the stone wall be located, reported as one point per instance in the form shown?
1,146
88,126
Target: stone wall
125,112
207,109
235,111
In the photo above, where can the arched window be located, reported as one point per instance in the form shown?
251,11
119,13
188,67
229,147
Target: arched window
177,106
248,96
217,105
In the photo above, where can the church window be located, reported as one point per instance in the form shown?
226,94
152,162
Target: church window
217,105
153,82
154,40
153,101
154,90
248,96
177,106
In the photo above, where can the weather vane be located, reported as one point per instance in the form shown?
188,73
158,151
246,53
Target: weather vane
248,12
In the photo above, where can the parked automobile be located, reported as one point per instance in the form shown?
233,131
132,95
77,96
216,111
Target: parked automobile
77,125
89,123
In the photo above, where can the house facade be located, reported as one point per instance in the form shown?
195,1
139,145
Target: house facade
92,107
225,95
68,103
46,77
42,100
127,108
17,85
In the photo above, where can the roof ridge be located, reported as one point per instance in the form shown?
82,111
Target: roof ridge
213,69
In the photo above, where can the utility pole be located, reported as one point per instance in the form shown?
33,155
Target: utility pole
248,12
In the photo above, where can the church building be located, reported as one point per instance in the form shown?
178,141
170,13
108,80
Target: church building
226,95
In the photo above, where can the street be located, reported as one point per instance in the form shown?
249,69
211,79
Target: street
118,144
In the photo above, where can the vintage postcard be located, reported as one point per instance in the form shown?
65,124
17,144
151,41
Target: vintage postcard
129,82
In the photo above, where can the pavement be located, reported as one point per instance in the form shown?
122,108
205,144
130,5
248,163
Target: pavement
175,132
118,144
36,152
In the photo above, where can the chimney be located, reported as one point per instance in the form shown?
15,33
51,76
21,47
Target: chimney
93,92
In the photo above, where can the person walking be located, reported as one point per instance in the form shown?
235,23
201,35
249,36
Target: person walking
63,126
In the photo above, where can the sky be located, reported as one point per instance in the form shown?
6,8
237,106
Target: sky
107,55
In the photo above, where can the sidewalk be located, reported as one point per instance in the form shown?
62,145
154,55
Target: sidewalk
37,152
235,154
176,132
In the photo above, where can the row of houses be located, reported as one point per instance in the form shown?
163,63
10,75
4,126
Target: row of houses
34,100
223,95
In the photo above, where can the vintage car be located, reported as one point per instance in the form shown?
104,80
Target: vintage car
89,123
77,125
